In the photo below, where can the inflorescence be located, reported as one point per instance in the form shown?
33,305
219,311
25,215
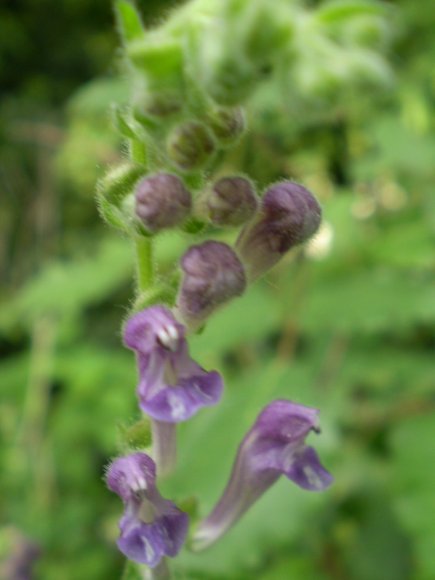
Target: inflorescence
186,109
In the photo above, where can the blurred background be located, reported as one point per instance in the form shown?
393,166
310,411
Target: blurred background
347,326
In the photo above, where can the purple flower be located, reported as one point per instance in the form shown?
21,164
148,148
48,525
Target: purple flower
274,446
213,275
172,387
151,527
288,216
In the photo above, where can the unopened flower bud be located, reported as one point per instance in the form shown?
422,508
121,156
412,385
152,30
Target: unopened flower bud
162,201
265,33
213,275
190,145
160,63
230,80
288,216
227,124
231,201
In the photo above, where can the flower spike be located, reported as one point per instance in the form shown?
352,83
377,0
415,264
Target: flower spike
274,446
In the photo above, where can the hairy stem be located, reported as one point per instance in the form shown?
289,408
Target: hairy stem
164,446
160,572
144,263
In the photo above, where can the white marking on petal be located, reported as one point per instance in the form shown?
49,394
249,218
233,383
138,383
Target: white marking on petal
142,482
149,550
169,337
139,484
312,477
177,407
197,387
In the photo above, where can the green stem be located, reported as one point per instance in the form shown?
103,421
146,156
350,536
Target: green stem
160,572
33,442
144,263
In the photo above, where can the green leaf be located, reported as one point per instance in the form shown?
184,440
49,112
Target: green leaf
119,182
129,22
138,436
338,10
65,288
413,485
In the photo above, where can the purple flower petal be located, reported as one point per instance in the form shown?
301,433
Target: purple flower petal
126,475
174,530
307,471
179,403
142,543
151,329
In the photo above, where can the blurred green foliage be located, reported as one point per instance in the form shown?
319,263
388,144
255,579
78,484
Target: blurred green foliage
346,326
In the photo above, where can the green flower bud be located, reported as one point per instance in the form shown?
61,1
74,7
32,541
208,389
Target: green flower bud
227,124
266,33
230,80
190,145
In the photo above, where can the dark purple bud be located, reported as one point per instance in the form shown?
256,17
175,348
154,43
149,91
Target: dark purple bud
289,215
190,145
213,275
227,124
274,446
232,201
152,527
162,202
